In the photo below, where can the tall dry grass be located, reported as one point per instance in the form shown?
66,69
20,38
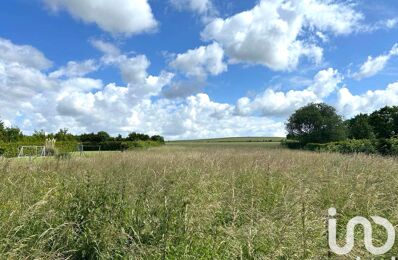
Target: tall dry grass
190,202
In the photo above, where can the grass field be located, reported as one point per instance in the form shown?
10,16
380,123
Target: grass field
190,201
233,139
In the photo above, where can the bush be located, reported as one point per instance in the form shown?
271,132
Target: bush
348,146
387,146
143,144
291,144
12,149
111,146
376,146
352,146
119,145
51,151
67,147
157,138
315,147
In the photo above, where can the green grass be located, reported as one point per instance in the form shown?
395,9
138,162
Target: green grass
194,201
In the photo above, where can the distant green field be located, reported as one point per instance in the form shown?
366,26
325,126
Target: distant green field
232,140
226,145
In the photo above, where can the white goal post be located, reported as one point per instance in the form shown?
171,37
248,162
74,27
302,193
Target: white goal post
31,151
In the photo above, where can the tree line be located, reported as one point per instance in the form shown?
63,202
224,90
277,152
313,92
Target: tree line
319,123
14,134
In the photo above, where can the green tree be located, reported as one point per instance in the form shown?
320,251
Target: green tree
95,138
2,131
385,122
316,123
359,127
64,135
157,138
103,136
9,134
133,136
12,134
138,137
39,135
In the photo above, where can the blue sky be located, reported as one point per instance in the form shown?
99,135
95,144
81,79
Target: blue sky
192,68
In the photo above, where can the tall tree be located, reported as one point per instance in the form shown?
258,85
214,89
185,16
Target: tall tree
316,123
39,135
64,135
103,136
385,122
13,134
359,127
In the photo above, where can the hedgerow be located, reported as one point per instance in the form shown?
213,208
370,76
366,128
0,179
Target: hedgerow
367,146
118,145
12,149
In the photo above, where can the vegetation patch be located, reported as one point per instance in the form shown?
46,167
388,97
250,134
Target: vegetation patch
12,138
317,127
203,201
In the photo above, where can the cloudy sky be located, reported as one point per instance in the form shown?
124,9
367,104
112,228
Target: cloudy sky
192,68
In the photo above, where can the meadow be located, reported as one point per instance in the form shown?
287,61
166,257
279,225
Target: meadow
232,140
191,201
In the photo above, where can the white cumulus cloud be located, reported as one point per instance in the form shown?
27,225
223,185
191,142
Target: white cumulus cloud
201,61
374,65
31,99
23,54
278,103
75,69
351,105
124,17
269,34
134,71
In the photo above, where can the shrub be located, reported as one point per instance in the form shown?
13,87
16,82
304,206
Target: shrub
119,145
352,146
50,147
387,146
157,138
111,146
12,149
376,146
315,147
137,144
142,144
292,144
67,147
